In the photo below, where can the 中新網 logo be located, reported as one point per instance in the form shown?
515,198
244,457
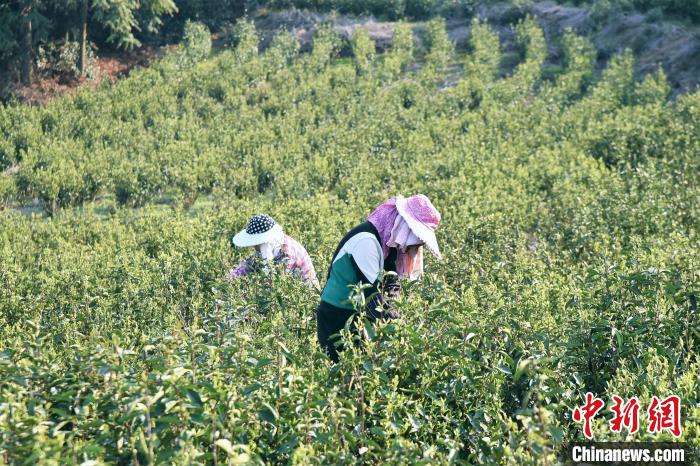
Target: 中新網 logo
661,414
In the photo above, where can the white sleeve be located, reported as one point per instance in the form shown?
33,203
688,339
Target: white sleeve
368,255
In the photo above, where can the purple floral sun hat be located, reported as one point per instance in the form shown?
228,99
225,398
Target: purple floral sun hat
417,211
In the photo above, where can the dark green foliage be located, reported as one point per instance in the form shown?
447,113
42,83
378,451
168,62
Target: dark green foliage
385,9
685,9
426,9
62,59
214,13
30,30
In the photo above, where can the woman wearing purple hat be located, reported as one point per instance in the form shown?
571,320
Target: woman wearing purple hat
391,240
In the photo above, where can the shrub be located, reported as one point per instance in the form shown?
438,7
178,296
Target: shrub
363,50
401,50
440,48
63,59
245,40
196,43
326,45
8,190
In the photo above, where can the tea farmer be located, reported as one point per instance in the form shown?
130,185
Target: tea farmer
273,246
391,240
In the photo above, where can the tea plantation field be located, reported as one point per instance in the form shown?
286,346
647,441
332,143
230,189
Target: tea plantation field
570,233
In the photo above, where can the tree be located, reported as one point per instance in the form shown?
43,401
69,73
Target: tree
29,15
119,17
27,44
83,37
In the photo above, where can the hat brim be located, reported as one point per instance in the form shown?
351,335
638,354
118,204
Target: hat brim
246,240
421,230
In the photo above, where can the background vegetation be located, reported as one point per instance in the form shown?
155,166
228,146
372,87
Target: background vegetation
39,37
424,9
570,232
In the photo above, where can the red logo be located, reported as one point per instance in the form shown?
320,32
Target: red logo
587,412
663,414
666,415
627,415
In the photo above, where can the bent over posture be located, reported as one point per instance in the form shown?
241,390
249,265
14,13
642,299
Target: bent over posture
391,240
273,246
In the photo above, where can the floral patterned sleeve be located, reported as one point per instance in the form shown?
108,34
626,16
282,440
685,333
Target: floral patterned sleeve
243,269
298,262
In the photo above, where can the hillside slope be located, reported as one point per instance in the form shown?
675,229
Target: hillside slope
654,39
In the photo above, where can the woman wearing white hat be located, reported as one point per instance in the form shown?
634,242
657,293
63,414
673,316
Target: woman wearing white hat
272,245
